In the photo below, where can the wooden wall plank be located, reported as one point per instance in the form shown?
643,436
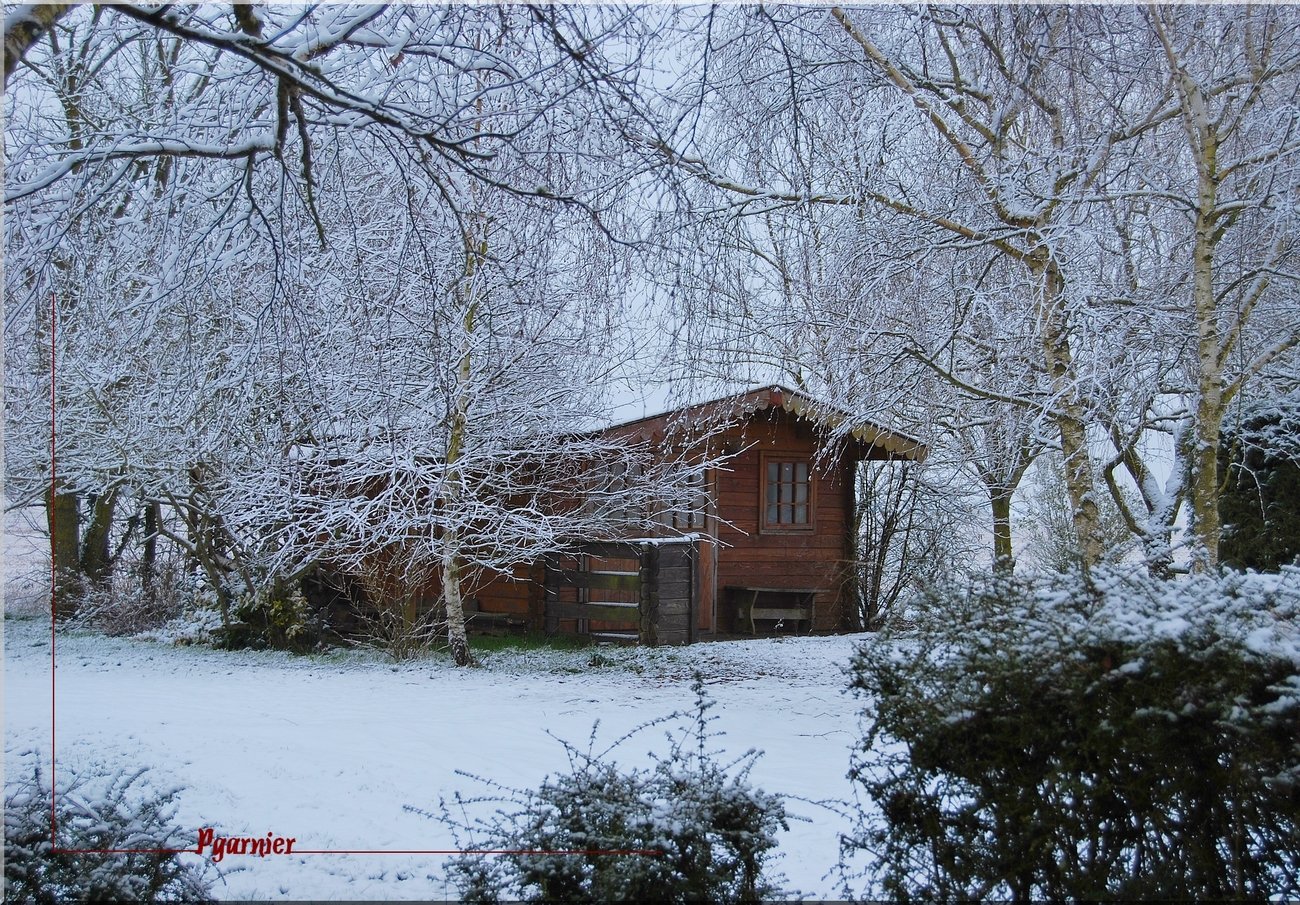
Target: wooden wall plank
606,581
605,612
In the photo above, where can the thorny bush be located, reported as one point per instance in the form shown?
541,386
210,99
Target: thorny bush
708,832
121,607
95,813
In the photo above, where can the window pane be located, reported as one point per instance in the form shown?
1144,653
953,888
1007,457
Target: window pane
787,493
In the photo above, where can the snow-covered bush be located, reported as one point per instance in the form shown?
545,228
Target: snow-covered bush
96,812
195,625
686,829
120,606
1259,462
276,617
1063,739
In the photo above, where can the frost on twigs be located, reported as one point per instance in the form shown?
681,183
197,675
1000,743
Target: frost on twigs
1054,739
117,606
96,812
685,829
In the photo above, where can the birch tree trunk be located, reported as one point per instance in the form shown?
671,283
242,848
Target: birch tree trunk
1070,414
452,567
1232,80
1203,461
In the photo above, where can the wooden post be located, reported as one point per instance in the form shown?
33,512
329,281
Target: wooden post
537,596
650,595
693,591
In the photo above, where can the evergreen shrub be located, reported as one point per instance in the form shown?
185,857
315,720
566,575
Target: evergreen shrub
1259,463
1060,739
276,618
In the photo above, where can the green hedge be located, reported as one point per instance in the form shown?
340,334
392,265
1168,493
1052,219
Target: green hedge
1125,738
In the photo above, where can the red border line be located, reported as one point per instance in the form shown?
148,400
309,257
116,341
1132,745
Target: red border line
51,510
652,852
123,851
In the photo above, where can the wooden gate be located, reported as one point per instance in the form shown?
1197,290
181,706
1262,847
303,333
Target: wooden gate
635,591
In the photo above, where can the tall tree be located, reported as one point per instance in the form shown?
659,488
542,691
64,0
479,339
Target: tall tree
1236,76
1065,145
388,304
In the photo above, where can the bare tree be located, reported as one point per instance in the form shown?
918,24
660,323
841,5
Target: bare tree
1074,152
370,258
459,443
1237,83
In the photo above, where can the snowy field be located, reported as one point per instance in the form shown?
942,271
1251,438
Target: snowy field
329,749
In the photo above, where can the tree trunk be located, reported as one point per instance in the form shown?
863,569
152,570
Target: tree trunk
457,639
855,553
149,559
1202,131
216,577
23,31
1159,556
1070,415
96,562
62,511
452,573
1000,501
1203,489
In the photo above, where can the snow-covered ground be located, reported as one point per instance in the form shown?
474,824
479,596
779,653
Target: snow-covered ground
329,749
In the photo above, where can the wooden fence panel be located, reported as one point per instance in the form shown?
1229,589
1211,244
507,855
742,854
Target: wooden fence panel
595,583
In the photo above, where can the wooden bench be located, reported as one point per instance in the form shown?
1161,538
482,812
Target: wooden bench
483,623
793,604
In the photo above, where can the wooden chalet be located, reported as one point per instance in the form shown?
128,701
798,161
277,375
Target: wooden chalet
764,547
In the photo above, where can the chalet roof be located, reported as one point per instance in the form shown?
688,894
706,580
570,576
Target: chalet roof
737,407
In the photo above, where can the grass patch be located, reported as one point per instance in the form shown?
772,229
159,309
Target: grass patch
531,641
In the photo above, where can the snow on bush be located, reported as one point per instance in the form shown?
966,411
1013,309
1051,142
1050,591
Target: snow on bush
117,607
688,828
1259,463
1063,739
97,812
192,626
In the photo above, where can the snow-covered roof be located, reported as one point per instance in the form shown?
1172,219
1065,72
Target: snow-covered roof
742,405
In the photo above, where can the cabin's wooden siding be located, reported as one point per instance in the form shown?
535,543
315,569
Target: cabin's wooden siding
749,555
706,585
507,595
746,554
